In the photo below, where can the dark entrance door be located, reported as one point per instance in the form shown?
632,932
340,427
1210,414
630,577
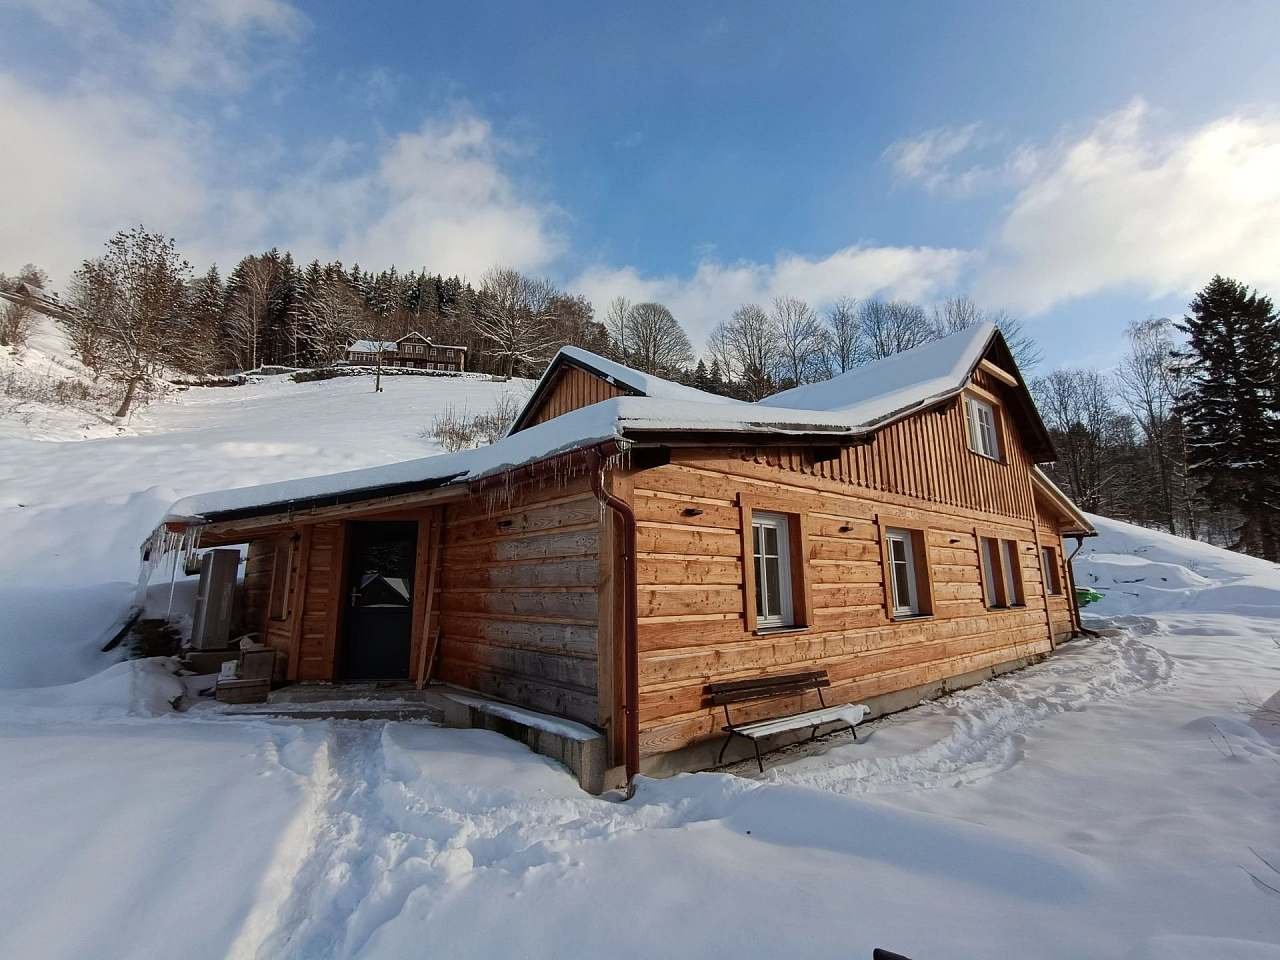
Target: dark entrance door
379,613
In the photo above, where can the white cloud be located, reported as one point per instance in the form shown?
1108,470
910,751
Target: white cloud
223,43
439,196
716,289
79,166
93,162
929,158
200,44
1123,208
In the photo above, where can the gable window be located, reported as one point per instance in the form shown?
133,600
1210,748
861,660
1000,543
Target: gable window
771,553
1001,573
983,436
1049,563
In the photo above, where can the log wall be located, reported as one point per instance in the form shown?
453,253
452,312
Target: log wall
519,607
692,625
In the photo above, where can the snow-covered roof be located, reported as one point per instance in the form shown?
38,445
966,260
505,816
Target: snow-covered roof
643,384
840,410
618,418
630,381
875,391
372,346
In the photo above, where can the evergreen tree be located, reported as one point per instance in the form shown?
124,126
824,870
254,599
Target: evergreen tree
701,378
205,302
1232,409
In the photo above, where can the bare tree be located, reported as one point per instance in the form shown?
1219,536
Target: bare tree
892,326
513,316
330,317
1151,381
658,343
801,340
844,335
617,320
134,295
746,345
1076,406
959,313
249,299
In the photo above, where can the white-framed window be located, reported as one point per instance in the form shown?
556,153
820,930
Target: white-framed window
771,551
987,546
1049,563
1001,573
1010,568
902,572
983,437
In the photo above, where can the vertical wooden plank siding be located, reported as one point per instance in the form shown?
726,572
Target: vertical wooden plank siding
572,390
260,605
693,625
518,599
321,600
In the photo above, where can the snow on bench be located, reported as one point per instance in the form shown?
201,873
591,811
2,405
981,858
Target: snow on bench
775,687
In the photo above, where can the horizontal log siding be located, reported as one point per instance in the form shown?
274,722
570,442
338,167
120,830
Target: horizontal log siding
572,390
518,600
691,628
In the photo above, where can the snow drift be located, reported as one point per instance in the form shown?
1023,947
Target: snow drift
1141,571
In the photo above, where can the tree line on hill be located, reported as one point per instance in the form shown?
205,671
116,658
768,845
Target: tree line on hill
1184,433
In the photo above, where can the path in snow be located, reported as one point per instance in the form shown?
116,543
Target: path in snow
988,721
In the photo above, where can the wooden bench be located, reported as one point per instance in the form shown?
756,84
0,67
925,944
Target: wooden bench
772,688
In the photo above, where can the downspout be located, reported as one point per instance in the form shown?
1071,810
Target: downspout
1080,629
631,668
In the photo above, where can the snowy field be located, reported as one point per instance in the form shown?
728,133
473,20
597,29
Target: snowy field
1116,801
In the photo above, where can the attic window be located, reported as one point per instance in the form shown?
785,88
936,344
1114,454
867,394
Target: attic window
983,435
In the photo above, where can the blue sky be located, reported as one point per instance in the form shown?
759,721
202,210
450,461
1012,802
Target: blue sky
1080,165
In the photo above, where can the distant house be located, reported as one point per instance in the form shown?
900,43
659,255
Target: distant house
411,350
634,545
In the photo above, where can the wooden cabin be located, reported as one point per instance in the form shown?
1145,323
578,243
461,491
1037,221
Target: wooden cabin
633,540
411,350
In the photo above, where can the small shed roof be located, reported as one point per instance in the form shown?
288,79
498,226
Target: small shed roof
372,346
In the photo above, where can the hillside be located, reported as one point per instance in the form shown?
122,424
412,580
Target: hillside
1116,801
80,508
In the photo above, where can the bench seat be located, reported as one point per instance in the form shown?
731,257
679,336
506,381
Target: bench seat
852,714
778,686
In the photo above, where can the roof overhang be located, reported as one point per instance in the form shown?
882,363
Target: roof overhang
1049,493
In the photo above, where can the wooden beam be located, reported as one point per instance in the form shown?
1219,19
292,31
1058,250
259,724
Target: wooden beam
255,528
1000,373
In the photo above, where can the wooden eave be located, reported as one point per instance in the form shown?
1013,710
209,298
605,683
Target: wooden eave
1047,492
1027,418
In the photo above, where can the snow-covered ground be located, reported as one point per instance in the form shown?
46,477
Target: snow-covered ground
1111,802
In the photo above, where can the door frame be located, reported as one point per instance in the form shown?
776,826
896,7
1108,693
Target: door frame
344,585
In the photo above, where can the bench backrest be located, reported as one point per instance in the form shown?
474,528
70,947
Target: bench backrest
766,688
